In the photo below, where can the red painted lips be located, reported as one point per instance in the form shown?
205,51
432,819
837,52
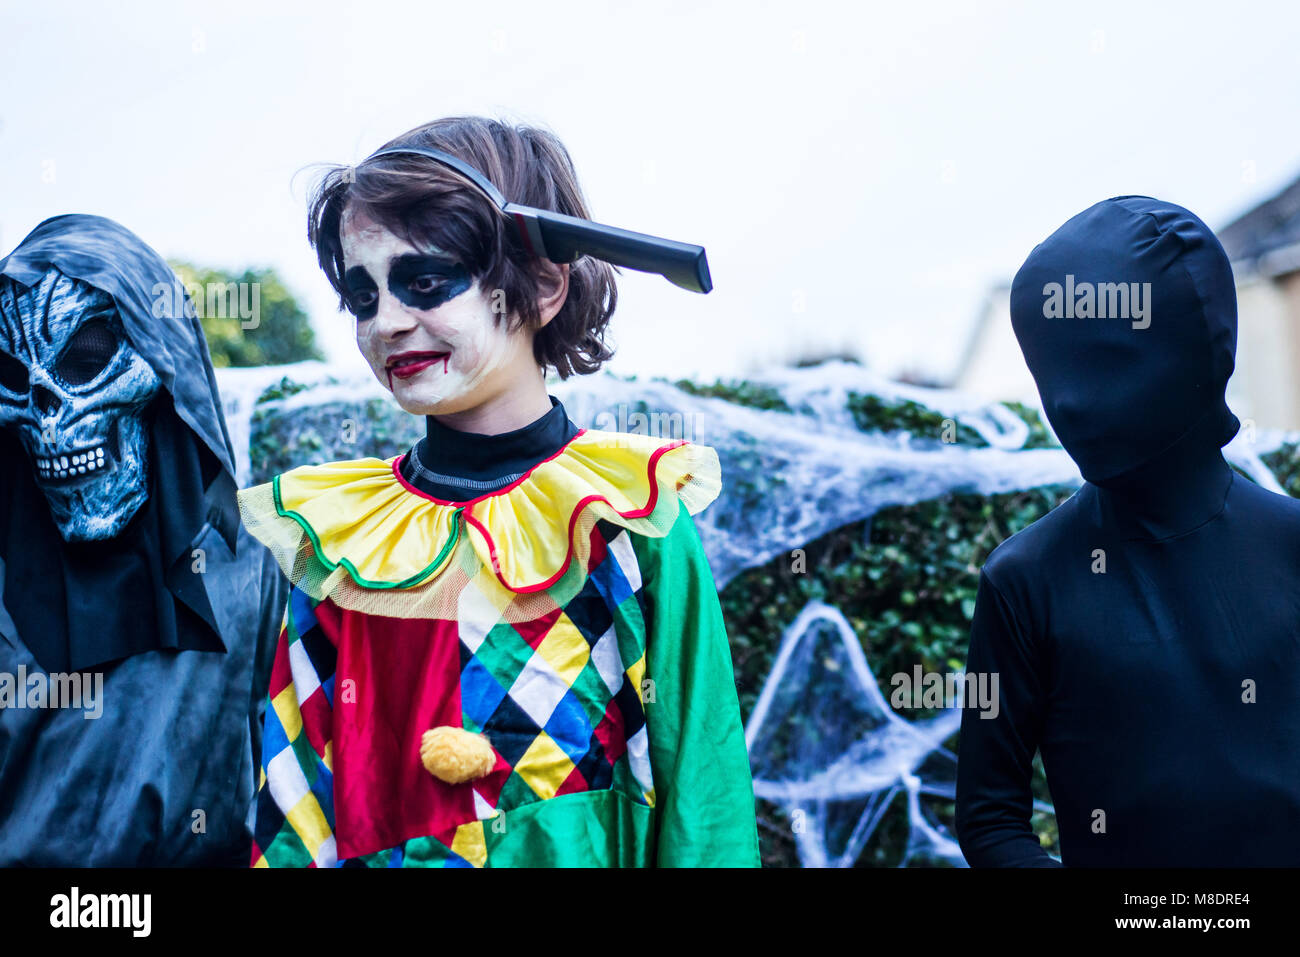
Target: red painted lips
407,364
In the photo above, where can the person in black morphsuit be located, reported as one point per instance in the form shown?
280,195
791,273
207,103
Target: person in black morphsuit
1146,632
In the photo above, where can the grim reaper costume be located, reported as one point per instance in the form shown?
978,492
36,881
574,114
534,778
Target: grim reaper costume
1147,631
122,564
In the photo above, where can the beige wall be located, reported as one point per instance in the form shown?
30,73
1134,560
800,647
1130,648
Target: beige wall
1264,387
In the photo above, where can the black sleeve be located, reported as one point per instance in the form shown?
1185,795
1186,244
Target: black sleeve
995,755
271,609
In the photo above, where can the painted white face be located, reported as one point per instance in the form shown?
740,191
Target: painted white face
427,329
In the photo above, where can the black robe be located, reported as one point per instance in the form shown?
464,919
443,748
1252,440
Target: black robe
166,773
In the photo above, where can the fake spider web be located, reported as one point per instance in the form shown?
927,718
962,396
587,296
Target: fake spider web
825,745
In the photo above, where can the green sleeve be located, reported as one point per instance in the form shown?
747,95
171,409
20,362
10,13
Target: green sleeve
704,792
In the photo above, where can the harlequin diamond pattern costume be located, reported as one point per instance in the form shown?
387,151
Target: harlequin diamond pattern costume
570,619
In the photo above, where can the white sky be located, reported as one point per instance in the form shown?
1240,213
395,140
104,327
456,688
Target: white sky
860,173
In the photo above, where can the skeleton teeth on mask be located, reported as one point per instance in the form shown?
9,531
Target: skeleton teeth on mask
83,462
74,389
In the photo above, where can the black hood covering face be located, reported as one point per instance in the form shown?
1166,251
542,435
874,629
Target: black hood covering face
79,605
1144,630
1123,390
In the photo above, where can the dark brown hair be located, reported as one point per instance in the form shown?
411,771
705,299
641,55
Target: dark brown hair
427,203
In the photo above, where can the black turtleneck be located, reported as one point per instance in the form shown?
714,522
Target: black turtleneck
1145,635
458,466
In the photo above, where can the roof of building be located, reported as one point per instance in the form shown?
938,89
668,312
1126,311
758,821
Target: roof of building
1266,239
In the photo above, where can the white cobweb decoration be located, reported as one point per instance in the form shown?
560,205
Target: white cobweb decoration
825,745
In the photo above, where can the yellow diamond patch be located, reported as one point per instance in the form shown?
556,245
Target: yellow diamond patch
544,766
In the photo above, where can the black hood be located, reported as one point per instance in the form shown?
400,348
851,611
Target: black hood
1127,317
77,605
110,257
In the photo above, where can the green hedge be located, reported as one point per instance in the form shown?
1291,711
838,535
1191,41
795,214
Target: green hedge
1284,462
906,581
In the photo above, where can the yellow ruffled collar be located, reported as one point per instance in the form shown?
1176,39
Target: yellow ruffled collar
362,516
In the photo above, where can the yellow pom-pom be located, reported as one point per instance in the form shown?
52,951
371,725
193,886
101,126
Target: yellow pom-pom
455,755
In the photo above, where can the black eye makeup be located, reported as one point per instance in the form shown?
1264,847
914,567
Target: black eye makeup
425,281
421,281
362,296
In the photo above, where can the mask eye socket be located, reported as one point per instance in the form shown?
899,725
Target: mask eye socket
88,353
13,374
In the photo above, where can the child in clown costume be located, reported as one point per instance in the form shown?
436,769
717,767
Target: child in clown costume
503,647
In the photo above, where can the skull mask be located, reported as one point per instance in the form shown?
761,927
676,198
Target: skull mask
74,389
